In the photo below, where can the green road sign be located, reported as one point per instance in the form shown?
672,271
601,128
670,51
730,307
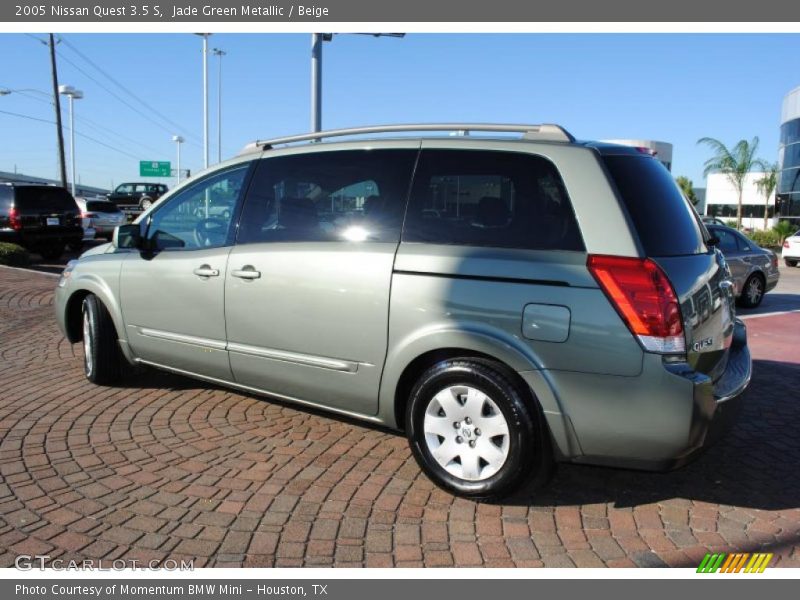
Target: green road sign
154,168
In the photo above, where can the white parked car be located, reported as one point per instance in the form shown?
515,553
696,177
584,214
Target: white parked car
791,249
103,215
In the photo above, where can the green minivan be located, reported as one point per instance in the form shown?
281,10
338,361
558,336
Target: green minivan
508,297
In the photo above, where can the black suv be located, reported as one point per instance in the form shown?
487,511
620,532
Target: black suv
41,218
137,194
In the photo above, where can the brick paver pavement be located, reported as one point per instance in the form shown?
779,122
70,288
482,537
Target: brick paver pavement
166,467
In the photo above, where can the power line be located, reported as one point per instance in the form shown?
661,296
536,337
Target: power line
117,96
95,125
78,133
125,89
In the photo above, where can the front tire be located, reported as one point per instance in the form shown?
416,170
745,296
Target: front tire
474,432
102,360
752,292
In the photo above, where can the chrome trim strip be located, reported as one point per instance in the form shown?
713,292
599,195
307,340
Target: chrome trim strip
245,388
184,339
345,366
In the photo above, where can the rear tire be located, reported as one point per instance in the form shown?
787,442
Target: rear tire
790,262
474,432
752,291
145,203
102,359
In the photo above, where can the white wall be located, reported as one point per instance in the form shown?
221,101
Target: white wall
719,190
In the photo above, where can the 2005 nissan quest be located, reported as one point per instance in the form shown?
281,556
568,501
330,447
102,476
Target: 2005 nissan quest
508,301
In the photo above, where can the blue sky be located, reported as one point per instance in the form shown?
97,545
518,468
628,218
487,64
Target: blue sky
671,87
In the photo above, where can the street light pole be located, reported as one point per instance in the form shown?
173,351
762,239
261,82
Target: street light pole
316,82
73,94
316,73
219,53
205,98
178,140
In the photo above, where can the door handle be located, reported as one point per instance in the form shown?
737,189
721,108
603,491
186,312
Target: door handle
206,271
246,272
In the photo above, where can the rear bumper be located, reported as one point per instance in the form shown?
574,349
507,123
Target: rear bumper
657,421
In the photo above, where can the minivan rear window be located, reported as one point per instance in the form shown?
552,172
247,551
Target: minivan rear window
30,197
663,218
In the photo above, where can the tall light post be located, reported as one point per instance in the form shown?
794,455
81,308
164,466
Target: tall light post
219,53
73,94
316,73
205,98
178,141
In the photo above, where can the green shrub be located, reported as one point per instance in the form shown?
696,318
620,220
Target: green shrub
765,239
731,223
783,230
13,255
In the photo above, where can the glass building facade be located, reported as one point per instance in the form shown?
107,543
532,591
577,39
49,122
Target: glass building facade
787,197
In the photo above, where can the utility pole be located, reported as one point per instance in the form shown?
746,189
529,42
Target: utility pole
62,164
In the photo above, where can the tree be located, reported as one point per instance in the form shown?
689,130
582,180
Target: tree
687,187
766,185
735,163
784,229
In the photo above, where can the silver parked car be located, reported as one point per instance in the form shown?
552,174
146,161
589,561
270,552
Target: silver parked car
754,269
103,216
506,301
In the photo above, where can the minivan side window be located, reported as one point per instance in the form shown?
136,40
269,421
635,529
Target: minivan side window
352,195
201,216
489,198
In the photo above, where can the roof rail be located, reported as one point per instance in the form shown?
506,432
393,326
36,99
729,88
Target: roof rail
546,132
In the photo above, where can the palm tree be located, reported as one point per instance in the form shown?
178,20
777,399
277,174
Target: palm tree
735,163
766,185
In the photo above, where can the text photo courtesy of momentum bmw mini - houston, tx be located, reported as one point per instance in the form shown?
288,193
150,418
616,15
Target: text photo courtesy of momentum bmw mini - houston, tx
398,300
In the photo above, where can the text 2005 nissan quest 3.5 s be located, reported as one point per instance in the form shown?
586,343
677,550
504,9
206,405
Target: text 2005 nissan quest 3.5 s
507,301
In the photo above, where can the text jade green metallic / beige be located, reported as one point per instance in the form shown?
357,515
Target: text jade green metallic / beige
507,296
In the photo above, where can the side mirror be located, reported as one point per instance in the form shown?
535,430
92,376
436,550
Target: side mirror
127,236
712,241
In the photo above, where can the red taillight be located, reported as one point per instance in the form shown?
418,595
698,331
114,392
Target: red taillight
88,215
644,298
13,218
786,243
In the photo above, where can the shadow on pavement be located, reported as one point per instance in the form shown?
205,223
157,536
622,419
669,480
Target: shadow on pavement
753,466
773,302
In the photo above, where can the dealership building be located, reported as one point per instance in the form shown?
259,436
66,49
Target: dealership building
788,198
722,200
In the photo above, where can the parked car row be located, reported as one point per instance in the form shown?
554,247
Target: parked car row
46,219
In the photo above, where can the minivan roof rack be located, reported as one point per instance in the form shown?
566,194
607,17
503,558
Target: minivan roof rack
546,131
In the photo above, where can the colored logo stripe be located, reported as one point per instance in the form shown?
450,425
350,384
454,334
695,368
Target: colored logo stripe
735,563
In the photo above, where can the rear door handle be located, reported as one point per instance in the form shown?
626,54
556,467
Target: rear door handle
246,272
206,271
